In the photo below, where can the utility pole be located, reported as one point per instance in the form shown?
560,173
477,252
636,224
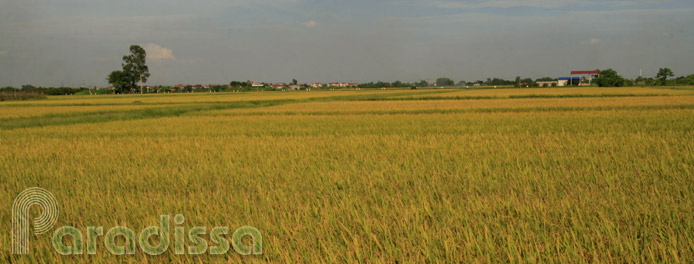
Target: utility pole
141,92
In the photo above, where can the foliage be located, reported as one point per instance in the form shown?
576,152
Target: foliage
6,95
546,79
134,70
239,84
120,80
528,82
663,74
400,84
28,87
609,78
685,80
378,84
443,81
44,90
499,82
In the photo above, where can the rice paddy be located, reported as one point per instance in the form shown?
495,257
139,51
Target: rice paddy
441,175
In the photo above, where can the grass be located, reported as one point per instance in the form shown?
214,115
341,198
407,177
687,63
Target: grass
343,179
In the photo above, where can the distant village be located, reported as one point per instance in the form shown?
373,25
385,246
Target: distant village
583,78
605,78
276,86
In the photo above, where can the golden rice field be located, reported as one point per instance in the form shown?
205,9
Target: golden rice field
506,92
187,98
416,106
367,176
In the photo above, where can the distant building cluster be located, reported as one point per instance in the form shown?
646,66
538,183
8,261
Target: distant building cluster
276,86
584,78
576,78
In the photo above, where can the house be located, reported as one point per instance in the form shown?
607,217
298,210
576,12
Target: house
565,81
279,86
255,84
546,84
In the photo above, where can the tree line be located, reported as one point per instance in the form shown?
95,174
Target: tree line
610,78
607,78
46,90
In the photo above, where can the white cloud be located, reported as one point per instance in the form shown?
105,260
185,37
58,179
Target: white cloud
311,24
3,52
157,52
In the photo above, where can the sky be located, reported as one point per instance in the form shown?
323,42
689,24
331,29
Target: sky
79,42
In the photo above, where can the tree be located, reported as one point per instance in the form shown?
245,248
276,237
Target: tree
294,81
120,81
134,69
28,87
135,64
684,80
663,74
397,84
640,80
444,82
422,83
609,78
528,82
499,82
545,79
689,79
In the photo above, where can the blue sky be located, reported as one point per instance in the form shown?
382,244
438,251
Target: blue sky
76,42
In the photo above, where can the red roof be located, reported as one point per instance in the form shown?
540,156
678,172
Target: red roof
584,72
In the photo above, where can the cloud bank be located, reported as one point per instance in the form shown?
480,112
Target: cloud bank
156,52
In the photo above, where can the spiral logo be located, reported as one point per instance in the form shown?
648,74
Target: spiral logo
21,206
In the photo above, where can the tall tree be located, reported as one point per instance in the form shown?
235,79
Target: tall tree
135,64
663,74
134,70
